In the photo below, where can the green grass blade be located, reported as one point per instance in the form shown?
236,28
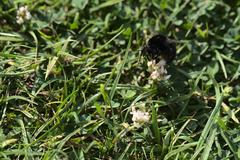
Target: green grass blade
105,4
180,149
10,37
124,152
10,98
219,57
155,126
113,89
233,146
209,143
210,122
63,106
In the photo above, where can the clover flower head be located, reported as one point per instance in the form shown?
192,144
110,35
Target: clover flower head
139,117
158,70
23,15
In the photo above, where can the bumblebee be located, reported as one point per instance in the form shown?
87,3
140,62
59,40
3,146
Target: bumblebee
160,47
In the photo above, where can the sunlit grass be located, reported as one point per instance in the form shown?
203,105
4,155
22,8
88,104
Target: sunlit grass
71,75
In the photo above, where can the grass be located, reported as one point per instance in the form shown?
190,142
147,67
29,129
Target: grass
70,75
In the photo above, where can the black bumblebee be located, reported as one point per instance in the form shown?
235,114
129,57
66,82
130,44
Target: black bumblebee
160,47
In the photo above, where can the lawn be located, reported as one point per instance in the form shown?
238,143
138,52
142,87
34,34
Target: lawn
78,83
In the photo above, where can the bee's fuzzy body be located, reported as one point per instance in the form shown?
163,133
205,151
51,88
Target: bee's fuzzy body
160,47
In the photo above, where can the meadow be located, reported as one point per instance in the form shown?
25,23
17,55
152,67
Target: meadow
75,81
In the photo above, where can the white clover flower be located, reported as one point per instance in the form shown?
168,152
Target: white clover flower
20,20
23,14
139,117
155,75
158,70
151,63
